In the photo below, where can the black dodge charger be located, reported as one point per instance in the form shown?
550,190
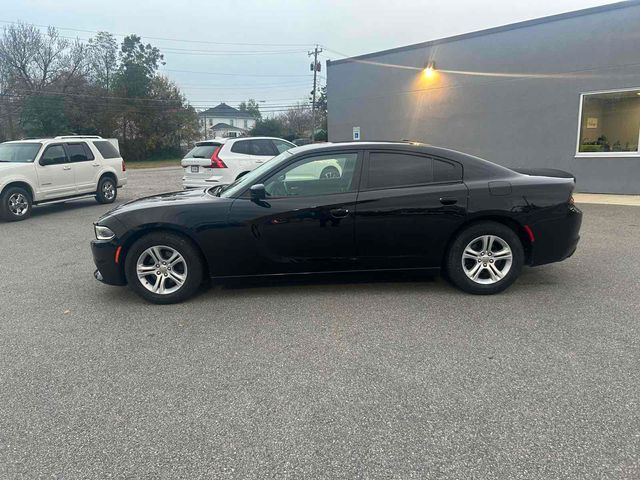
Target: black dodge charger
344,207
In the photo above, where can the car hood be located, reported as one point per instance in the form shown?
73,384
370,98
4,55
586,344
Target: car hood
14,166
165,200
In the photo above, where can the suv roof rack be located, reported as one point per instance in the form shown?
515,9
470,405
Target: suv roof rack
62,137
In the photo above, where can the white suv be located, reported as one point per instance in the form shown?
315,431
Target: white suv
60,169
221,161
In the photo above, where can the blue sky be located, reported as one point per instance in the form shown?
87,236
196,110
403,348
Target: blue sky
275,68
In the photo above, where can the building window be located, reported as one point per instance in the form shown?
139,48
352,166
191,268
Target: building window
609,123
246,124
231,122
210,122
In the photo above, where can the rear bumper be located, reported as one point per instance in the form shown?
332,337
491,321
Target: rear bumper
556,238
108,271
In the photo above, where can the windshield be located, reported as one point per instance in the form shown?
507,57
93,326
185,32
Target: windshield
19,152
249,178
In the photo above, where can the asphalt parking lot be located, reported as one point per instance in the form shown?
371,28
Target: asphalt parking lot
374,377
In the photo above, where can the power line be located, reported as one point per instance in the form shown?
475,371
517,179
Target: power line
235,74
163,38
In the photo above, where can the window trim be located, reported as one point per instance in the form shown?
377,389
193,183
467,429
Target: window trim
364,185
578,153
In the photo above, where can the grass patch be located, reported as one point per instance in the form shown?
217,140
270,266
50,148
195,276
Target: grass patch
136,164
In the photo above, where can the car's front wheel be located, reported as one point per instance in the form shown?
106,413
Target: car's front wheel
15,204
485,258
164,268
107,190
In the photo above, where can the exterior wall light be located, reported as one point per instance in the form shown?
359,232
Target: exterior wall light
430,70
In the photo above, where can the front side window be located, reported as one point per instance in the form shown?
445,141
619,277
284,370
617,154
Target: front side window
317,175
54,155
389,170
282,146
610,123
19,152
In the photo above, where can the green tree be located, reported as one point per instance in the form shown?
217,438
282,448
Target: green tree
269,127
252,107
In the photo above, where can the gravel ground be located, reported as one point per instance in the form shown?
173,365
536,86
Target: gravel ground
357,377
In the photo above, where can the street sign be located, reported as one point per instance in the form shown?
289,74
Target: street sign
356,133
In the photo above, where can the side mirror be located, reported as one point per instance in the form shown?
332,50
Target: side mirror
258,192
46,161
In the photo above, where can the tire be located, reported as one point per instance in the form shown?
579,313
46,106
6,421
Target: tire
158,247
330,172
107,190
476,269
15,204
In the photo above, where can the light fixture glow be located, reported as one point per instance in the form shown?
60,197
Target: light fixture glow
430,70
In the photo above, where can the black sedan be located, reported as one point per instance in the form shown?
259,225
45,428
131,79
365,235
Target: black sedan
344,207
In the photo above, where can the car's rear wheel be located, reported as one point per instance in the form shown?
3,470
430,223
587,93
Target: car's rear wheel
164,268
107,190
485,258
15,204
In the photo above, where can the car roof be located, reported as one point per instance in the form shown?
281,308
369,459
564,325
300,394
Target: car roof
64,139
223,140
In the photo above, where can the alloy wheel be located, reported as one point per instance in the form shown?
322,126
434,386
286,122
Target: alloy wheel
18,204
161,270
108,190
487,259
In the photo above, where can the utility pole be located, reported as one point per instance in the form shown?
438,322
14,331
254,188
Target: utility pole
315,68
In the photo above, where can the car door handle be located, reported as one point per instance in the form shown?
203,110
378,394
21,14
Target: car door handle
66,167
96,164
448,200
339,212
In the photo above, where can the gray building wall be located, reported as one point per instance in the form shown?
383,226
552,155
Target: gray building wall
515,121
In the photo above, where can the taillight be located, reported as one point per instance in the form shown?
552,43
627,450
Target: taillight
124,167
216,162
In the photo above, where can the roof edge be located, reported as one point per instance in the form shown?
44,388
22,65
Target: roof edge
492,30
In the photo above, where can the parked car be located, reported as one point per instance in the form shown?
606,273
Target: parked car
51,170
221,161
394,206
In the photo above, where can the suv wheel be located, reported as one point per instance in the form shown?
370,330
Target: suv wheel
15,204
485,258
164,268
107,190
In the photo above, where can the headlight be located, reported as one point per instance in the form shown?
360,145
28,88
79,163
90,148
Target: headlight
103,233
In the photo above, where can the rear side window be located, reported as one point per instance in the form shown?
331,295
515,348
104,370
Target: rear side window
107,150
388,170
260,147
446,171
77,152
241,147
202,151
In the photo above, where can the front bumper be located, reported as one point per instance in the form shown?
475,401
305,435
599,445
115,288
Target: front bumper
104,256
556,238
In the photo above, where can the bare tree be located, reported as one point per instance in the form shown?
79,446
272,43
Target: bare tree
297,119
103,50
